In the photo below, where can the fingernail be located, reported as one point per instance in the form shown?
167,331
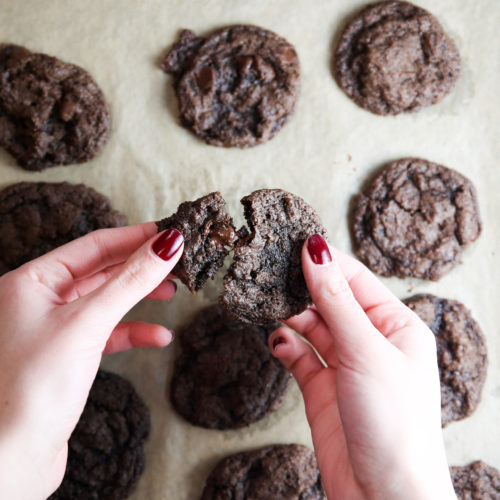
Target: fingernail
318,250
277,341
167,244
175,285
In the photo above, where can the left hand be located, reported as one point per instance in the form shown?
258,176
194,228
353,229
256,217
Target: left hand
58,315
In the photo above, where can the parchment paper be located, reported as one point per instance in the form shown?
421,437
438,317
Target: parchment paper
325,154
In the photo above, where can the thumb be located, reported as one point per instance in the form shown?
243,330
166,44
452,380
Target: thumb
145,269
354,335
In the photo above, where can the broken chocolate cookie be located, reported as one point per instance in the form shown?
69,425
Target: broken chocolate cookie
265,281
476,481
237,87
208,238
51,112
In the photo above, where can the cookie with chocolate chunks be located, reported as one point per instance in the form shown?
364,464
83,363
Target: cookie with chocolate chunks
395,57
106,449
265,281
476,481
226,377
237,87
279,472
461,353
37,217
51,112
415,220
208,233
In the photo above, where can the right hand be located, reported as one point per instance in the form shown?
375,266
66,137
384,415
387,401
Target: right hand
374,409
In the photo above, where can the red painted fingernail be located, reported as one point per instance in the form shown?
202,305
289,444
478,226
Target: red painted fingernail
167,244
175,285
318,250
277,341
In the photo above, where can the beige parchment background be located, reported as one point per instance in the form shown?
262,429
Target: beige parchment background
324,154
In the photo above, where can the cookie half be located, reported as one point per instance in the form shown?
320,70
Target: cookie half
51,112
106,449
395,57
36,217
208,233
461,352
476,481
279,472
415,219
226,377
265,281
237,87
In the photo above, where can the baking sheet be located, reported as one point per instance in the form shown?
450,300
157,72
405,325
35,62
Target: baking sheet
326,152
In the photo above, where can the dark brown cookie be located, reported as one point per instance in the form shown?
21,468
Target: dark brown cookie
237,87
226,377
461,351
280,472
106,449
476,481
415,220
208,237
265,281
36,217
394,57
51,112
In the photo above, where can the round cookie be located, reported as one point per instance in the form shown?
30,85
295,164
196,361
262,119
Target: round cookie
51,112
476,481
106,449
237,87
36,217
461,353
280,472
394,57
226,377
415,219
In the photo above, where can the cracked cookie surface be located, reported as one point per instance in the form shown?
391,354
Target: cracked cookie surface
394,57
51,112
106,449
208,233
265,281
226,377
461,353
36,217
236,87
415,220
476,481
280,472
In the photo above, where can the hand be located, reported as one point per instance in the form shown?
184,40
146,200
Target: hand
374,406
59,314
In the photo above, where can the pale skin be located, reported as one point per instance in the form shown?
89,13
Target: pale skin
374,410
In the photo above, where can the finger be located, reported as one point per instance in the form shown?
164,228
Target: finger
137,334
138,277
354,335
87,255
164,291
311,326
296,355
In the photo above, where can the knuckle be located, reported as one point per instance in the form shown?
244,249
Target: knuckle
133,275
337,290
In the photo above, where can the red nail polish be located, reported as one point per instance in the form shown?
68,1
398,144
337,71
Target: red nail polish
277,341
175,285
318,250
167,244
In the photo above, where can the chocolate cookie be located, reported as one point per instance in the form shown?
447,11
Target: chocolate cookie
36,217
208,237
265,281
226,377
105,452
280,472
415,220
461,351
394,57
51,112
237,87
476,481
